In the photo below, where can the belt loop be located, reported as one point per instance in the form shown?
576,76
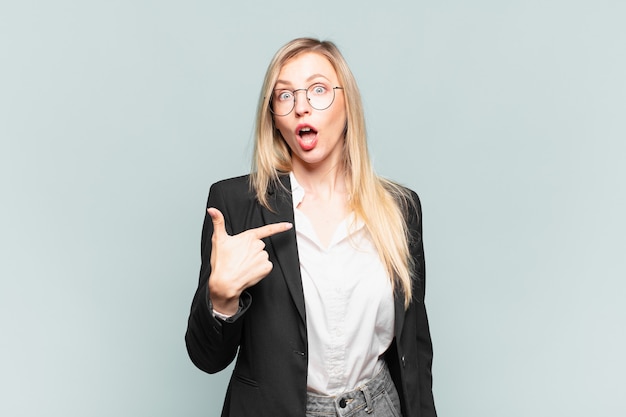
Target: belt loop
368,399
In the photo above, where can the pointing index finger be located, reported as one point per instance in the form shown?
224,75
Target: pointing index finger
270,229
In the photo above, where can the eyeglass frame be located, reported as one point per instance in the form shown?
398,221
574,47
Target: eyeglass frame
306,90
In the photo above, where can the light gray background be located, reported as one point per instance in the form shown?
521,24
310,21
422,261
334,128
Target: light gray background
507,117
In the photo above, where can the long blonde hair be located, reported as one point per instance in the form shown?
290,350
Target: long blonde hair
380,203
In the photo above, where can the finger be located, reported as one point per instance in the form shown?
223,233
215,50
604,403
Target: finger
219,228
270,229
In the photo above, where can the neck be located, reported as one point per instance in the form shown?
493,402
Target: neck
322,181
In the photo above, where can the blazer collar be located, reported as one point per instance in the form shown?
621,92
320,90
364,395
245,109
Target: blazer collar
285,244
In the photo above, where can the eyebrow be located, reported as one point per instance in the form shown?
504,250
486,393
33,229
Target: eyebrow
312,77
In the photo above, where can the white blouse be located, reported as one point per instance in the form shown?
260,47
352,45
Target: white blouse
349,303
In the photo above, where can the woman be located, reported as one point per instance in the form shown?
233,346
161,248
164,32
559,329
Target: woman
312,266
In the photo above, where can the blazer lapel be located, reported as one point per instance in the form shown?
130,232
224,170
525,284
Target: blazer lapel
400,312
285,244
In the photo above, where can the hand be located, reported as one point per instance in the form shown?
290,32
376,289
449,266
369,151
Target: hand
238,261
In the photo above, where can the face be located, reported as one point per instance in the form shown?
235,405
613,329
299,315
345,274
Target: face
315,137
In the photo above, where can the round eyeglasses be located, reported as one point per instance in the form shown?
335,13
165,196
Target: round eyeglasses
319,95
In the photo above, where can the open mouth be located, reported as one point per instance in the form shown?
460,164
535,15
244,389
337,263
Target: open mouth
307,131
307,137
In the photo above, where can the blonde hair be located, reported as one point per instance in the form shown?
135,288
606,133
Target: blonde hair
380,203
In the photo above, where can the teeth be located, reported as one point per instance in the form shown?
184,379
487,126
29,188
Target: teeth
305,129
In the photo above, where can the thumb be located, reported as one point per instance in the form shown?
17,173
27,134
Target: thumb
219,229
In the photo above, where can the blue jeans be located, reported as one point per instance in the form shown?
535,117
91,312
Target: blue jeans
376,398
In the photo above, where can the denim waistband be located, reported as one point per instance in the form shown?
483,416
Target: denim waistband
352,402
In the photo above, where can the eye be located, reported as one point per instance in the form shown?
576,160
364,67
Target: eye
318,89
284,95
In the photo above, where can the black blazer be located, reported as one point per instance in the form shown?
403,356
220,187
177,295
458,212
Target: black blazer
270,375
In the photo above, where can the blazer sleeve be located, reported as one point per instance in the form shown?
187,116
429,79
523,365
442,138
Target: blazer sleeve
424,341
211,342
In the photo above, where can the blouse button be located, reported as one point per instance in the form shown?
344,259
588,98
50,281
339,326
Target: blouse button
403,360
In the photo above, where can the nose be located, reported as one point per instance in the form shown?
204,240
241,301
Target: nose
301,105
